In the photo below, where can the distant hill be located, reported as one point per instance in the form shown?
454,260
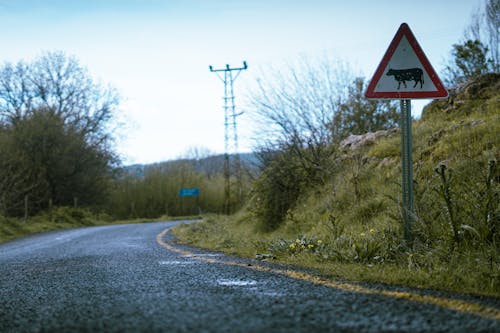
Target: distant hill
208,165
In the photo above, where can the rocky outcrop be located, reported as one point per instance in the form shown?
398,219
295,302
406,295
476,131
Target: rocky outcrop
483,87
357,141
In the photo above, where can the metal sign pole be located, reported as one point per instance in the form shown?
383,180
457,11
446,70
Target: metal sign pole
407,166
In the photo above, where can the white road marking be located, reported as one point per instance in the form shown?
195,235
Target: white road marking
176,262
203,255
236,283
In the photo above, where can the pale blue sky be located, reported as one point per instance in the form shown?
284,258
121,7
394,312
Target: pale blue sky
156,53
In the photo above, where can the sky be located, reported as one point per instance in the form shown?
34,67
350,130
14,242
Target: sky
156,53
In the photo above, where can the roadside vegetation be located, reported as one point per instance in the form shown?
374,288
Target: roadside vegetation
349,227
58,218
67,218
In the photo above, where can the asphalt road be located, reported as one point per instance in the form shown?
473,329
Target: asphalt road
131,278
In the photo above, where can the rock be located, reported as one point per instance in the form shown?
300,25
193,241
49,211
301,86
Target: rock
387,162
357,141
264,256
482,87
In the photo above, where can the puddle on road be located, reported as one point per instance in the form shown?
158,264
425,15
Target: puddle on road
269,293
236,283
254,287
135,246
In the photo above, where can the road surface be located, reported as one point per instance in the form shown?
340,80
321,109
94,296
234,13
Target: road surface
133,278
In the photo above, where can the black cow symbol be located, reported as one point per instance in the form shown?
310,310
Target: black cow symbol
403,75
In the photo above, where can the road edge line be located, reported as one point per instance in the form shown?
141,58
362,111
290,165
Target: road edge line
448,303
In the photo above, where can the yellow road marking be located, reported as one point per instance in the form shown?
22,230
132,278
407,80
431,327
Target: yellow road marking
448,303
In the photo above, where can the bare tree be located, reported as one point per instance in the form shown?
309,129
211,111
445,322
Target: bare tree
16,91
493,27
60,83
312,106
299,105
485,28
294,111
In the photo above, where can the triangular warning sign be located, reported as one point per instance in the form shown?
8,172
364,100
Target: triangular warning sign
405,72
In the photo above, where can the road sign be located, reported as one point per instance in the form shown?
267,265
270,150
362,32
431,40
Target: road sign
405,72
189,192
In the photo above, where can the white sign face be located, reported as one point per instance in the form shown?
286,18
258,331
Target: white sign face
405,72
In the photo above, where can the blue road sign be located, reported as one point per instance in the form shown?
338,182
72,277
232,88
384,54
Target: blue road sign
189,192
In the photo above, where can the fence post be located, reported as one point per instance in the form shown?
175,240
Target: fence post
50,211
26,208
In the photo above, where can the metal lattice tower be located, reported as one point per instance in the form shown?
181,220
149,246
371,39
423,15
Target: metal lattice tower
230,133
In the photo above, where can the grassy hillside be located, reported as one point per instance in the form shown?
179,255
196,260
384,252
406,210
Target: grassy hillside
351,227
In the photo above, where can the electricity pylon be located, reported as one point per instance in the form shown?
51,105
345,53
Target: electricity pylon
230,133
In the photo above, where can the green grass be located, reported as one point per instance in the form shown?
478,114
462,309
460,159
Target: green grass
363,256
350,228
64,218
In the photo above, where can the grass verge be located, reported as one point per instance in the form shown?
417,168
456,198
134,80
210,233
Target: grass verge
65,218
233,236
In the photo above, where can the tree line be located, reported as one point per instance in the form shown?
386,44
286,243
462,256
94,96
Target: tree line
153,190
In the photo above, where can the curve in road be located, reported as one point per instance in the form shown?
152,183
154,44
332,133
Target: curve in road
134,278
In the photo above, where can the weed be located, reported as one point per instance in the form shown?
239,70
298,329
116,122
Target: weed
444,191
366,247
297,246
336,228
491,199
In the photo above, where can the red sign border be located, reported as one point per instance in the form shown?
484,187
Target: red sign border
404,30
